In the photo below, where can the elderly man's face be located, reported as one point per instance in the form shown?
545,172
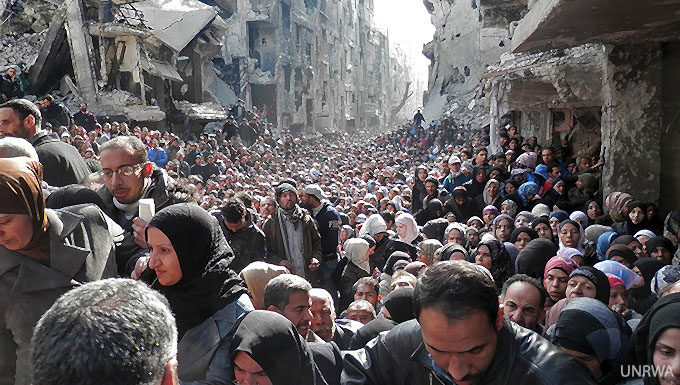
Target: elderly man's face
360,315
464,347
523,305
323,317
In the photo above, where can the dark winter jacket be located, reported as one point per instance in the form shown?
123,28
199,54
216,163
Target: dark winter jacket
247,243
85,119
350,274
328,223
57,115
62,164
522,357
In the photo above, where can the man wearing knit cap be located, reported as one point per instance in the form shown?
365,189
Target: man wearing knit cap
328,222
291,236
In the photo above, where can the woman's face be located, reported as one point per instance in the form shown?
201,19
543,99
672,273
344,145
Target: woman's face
510,188
248,371
580,287
473,238
544,231
522,240
569,235
521,221
455,237
661,254
667,355
651,211
163,258
477,224
492,190
343,235
505,209
481,176
16,231
637,215
402,230
594,210
489,216
422,174
483,256
555,284
559,188
618,296
503,230
637,248
554,225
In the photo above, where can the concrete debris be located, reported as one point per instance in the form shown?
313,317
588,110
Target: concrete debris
20,49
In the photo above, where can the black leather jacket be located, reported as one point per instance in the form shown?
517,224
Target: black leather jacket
522,358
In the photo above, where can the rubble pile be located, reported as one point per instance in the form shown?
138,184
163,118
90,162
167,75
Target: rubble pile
20,49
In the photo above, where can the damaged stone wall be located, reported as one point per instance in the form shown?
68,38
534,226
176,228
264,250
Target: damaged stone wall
631,121
470,35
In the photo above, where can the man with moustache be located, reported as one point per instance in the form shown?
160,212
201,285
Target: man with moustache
288,295
460,337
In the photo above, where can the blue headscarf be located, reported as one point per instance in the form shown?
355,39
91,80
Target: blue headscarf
603,243
542,170
527,191
561,215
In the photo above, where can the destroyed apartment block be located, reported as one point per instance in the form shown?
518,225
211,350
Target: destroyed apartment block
311,66
607,81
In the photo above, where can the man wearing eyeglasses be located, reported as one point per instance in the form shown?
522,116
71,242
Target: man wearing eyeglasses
128,177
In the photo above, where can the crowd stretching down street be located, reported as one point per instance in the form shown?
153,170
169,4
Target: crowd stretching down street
245,255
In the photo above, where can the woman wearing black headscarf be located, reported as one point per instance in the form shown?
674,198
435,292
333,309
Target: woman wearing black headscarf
191,259
493,255
660,248
643,298
533,258
656,341
266,349
635,221
521,236
418,193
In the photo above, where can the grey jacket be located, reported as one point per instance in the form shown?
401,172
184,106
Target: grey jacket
82,249
203,352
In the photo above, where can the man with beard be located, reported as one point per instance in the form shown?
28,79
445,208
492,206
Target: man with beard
292,238
128,176
84,118
61,162
288,295
460,337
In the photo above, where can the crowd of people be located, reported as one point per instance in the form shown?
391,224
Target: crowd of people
135,256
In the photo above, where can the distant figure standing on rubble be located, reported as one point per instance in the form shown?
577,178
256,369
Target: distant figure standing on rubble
54,112
85,118
10,86
418,119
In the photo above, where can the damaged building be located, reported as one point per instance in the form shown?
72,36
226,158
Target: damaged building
599,77
311,66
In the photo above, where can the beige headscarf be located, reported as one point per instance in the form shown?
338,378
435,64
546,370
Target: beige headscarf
257,275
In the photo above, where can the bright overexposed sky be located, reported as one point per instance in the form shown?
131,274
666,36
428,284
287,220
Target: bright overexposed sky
409,26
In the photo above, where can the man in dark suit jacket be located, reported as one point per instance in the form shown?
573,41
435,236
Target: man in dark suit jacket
62,163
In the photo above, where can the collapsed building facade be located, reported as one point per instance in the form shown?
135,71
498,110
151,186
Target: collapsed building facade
308,65
598,77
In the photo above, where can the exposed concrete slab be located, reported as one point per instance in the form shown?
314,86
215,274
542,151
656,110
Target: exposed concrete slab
82,51
176,29
568,23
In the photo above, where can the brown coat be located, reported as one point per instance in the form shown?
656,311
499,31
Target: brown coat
275,252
